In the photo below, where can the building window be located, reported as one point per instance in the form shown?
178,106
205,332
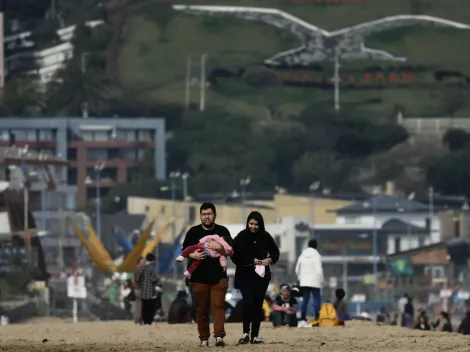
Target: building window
46,135
71,154
427,223
107,174
87,136
421,241
130,154
397,244
72,176
126,135
456,227
350,220
96,154
144,136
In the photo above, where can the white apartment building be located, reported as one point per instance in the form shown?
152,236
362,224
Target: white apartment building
49,60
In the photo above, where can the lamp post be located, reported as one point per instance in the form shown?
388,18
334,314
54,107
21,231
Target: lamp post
313,188
431,210
174,175
185,177
83,67
99,166
408,213
244,182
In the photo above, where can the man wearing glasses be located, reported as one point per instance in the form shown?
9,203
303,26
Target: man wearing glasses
209,282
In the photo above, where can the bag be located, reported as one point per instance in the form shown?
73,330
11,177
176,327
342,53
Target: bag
327,316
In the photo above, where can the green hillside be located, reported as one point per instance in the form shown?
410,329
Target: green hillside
152,61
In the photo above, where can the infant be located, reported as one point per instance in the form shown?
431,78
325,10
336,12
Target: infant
221,250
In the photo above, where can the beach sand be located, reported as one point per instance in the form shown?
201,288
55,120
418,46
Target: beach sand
62,335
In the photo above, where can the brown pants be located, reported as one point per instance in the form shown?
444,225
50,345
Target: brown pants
214,296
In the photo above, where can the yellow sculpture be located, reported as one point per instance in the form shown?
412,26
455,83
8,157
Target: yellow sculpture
100,256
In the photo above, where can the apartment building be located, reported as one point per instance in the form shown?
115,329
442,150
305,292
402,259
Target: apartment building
102,152
20,55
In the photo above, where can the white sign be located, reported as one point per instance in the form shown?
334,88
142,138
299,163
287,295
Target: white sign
76,290
445,293
463,295
358,298
333,282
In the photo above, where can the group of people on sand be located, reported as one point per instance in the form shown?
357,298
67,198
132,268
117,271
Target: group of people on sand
407,318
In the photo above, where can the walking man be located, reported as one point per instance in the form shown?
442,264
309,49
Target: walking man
309,272
147,280
209,282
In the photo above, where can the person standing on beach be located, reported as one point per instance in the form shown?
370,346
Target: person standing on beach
137,293
147,280
309,271
209,282
254,251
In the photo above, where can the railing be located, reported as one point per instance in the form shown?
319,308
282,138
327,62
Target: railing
433,126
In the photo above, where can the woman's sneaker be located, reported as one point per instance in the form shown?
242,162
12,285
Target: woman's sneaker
245,339
204,343
256,341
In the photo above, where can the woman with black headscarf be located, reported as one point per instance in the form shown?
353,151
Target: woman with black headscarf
254,251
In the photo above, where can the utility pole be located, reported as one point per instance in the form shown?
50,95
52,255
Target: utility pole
83,69
336,80
202,81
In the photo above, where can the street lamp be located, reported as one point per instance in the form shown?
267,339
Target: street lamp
244,182
185,177
313,188
431,210
99,166
373,204
408,215
174,175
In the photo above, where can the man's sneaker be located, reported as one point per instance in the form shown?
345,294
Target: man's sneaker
219,342
303,324
204,343
245,339
256,341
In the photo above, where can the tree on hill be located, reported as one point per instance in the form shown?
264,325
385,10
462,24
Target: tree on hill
451,173
456,139
72,87
21,97
219,149
451,98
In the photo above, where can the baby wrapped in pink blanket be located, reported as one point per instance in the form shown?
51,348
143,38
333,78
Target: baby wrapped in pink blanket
223,249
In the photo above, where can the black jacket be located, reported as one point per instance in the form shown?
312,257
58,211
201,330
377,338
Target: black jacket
179,311
246,247
209,270
464,327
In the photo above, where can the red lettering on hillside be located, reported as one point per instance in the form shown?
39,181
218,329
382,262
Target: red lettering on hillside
366,78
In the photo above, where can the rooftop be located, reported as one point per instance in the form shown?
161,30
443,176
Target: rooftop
385,204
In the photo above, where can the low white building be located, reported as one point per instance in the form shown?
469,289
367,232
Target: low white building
378,210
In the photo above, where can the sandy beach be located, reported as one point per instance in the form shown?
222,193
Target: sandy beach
62,335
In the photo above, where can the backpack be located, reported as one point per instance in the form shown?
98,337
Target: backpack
327,316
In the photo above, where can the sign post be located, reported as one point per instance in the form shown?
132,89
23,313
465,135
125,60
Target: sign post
76,289
358,299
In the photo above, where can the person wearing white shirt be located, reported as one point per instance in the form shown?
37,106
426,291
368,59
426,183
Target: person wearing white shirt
309,272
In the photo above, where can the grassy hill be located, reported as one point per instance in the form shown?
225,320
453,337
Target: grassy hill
153,63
